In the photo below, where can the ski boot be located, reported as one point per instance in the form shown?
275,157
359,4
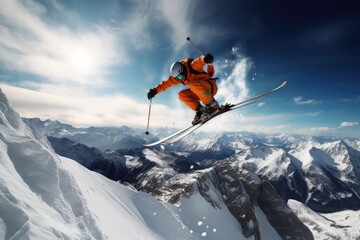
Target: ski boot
199,111
210,109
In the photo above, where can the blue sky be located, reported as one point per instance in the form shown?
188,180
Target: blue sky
91,63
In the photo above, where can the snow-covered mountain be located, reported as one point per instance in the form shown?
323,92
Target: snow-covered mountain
337,225
44,196
83,154
103,138
323,173
200,196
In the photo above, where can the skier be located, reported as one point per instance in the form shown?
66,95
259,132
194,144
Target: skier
201,85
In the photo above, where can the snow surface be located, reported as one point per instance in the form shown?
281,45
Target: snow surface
124,213
339,225
269,161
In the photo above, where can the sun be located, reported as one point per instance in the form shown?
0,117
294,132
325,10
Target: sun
81,61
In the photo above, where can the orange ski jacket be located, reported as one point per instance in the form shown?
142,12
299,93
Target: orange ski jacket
194,73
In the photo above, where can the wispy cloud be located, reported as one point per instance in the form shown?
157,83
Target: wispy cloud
233,87
325,130
315,131
348,124
255,118
82,109
300,101
71,59
173,19
261,104
319,129
54,52
351,100
178,16
185,19
240,122
140,24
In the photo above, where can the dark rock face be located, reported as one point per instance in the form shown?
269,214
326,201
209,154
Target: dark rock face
83,154
285,222
239,189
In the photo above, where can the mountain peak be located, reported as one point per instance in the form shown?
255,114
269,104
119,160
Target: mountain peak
9,117
3,98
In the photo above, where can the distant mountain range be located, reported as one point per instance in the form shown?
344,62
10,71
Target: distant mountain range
321,172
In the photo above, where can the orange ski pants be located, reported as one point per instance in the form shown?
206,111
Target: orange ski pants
198,91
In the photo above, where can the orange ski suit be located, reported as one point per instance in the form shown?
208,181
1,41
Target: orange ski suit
202,85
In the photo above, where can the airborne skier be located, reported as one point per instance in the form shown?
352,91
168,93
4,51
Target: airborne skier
199,96
228,107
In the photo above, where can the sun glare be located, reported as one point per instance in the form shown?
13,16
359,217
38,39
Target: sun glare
81,61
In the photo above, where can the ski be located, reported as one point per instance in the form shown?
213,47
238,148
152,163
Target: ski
178,137
164,140
228,107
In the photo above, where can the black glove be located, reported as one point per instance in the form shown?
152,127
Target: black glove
151,93
208,58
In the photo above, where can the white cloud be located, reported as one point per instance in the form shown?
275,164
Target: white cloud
71,62
261,104
57,53
315,131
139,24
267,129
177,14
145,18
242,121
83,109
348,124
319,129
185,19
299,101
233,88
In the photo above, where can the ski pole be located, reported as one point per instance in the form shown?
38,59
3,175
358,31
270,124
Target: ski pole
148,121
193,44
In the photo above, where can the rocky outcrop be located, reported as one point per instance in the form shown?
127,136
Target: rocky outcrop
239,188
280,216
230,184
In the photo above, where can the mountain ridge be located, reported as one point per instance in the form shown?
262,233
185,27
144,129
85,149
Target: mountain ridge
296,158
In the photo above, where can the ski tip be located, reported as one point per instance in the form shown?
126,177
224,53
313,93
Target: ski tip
283,84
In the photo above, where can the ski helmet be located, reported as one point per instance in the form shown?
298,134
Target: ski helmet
177,70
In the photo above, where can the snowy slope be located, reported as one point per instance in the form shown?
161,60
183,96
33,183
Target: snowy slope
37,198
124,213
339,225
332,174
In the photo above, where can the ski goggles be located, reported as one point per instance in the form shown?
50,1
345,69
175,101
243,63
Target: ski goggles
180,76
